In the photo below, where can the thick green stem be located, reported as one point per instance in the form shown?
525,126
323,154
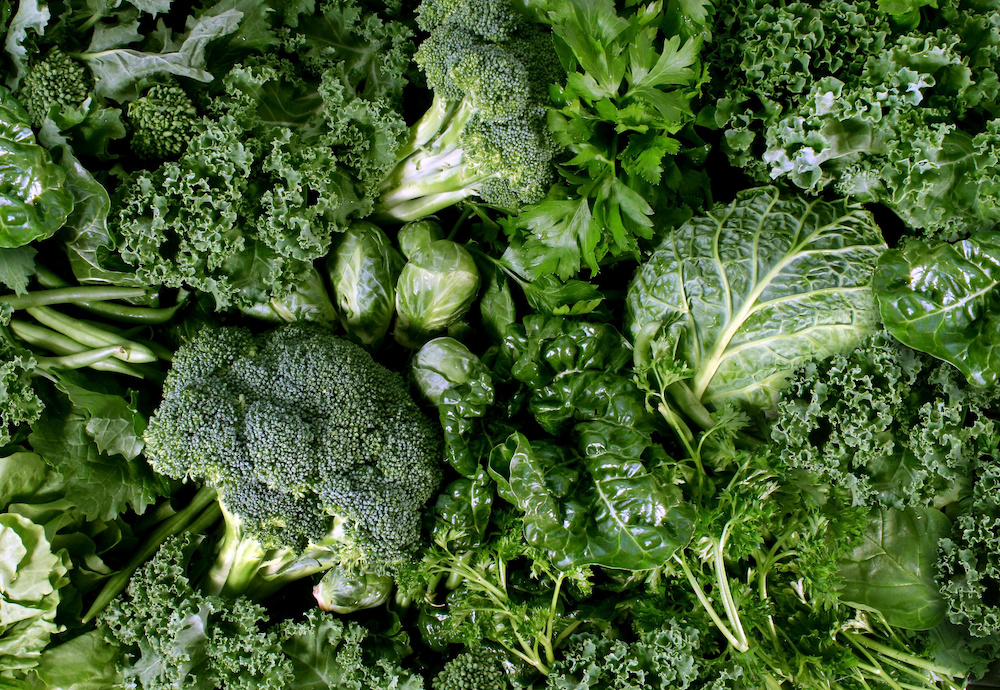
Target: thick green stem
90,335
903,657
50,340
206,500
116,311
72,295
237,562
87,358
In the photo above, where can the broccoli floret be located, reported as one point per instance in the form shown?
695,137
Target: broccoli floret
476,669
163,122
58,81
308,441
485,133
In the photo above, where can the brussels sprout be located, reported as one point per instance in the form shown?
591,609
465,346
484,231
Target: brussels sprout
435,289
343,591
460,386
363,270
307,302
444,364
414,236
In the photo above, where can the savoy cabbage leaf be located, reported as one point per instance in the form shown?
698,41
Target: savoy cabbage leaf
751,290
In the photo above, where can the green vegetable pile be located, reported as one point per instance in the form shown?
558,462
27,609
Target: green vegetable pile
499,345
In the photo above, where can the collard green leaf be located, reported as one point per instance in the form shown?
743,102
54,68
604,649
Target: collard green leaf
892,570
752,290
101,485
17,265
117,71
604,508
945,300
33,195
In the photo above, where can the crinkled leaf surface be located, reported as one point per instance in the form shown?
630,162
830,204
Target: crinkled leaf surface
116,71
604,508
892,570
33,196
752,290
945,300
101,485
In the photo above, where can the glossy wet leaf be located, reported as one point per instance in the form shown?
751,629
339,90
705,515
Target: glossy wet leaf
602,507
944,300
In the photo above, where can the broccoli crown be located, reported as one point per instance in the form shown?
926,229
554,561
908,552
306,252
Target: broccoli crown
58,80
499,79
172,634
515,158
296,426
492,20
163,122
476,669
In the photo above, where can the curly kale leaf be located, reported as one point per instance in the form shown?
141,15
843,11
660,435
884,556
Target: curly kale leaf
668,658
833,93
890,425
174,636
969,565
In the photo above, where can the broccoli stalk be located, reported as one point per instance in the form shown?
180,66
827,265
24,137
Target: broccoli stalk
431,174
242,565
484,134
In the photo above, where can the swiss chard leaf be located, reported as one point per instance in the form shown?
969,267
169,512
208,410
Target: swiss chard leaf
892,570
752,290
945,300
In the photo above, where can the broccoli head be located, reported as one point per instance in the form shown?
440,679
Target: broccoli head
58,80
478,668
163,122
304,436
485,133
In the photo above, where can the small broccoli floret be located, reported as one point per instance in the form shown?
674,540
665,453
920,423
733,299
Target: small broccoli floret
493,20
485,133
58,81
163,122
476,669
308,441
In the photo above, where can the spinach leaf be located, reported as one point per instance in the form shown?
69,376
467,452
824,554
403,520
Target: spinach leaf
33,194
604,508
892,569
944,300
751,291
